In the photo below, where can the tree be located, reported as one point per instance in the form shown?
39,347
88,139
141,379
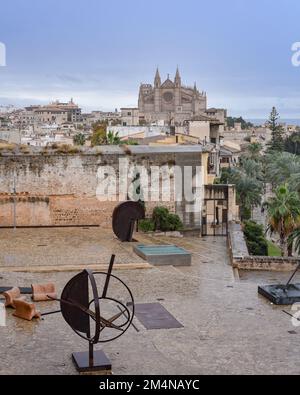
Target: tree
245,125
79,139
294,240
292,143
249,186
283,168
254,152
249,194
99,134
283,215
277,141
252,168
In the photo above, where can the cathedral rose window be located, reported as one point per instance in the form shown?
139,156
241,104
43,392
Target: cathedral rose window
168,97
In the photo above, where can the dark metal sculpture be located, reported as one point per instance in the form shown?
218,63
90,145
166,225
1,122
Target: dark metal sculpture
88,319
124,217
282,294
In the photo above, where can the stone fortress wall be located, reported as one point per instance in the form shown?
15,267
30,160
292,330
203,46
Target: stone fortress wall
60,190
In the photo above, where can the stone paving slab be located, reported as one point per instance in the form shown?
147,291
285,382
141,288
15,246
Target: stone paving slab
62,247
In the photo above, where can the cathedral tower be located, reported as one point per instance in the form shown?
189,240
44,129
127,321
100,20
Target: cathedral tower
177,82
157,85
157,79
177,79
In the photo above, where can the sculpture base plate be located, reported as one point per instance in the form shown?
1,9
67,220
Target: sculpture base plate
280,294
101,363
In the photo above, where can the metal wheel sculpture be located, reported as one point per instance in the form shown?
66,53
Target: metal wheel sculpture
91,319
124,217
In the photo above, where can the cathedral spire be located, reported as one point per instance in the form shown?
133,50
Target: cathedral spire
177,78
157,80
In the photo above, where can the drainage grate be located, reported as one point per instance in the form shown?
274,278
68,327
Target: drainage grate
155,316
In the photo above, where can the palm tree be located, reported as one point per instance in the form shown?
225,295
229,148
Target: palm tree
249,194
252,168
284,215
292,143
294,240
254,151
113,138
249,187
283,168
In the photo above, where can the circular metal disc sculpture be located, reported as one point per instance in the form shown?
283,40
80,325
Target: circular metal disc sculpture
124,217
89,320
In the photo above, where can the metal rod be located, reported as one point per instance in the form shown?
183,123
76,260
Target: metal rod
111,264
51,312
293,275
126,317
91,355
291,315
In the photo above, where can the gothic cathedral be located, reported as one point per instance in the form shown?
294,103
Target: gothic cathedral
170,101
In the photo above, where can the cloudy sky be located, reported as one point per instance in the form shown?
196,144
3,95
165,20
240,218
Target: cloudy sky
99,51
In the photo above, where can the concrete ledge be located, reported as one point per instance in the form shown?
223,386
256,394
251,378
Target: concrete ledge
277,264
73,268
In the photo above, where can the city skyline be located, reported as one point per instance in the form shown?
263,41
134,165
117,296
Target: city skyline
226,48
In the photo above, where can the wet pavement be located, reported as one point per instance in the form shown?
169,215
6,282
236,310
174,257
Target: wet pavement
228,327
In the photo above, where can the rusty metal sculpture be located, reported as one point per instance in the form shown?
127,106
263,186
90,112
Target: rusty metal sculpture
124,217
87,317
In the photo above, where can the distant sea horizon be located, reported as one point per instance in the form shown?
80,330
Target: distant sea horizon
288,121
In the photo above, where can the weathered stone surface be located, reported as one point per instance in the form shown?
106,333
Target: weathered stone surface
60,190
228,328
59,247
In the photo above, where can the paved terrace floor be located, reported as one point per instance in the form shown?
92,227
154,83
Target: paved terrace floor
228,328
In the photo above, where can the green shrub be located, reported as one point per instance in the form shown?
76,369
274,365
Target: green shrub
255,239
159,216
165,221
245,213
146,225
173,223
